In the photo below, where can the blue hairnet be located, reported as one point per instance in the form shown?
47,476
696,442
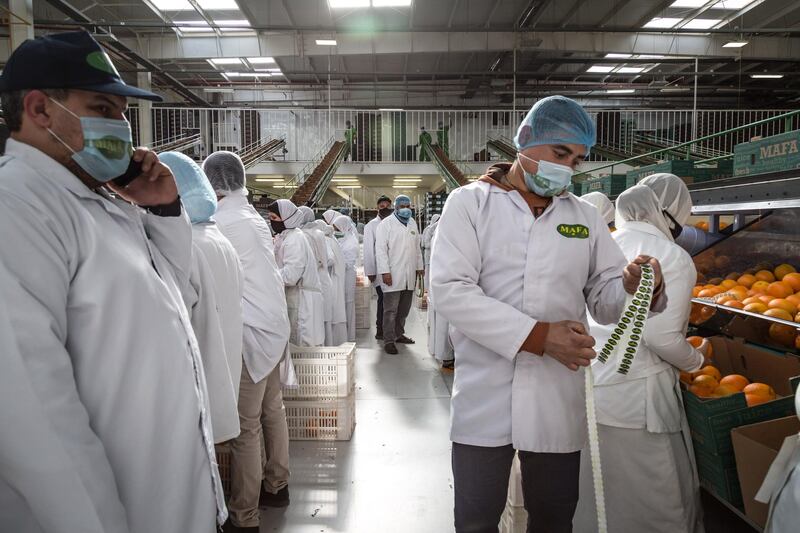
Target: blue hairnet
196,193
402,199
556,120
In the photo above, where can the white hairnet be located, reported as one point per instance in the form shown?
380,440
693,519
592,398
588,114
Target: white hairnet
290,214
640,204
308,214
330,215
225,172
344,224
673,194
602,203
556,120
325,228
435,218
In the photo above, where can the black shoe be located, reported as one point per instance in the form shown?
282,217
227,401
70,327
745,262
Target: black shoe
379,335
267,499
390,348
229,527
404,340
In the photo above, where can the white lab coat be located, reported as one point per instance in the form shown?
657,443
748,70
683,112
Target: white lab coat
642,412
317,240
217,319
370,264
266,319
495,271
298,269
439,344
349,245
115,375
337,269
427,245
398,252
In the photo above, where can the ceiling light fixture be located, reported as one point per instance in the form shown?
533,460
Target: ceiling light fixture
766,76
618,56
601,69
689,3
404,187
620,91
225,61
326,42
276,180
663,22
630,70
219,5
348,186
344,180
260,60
735,44
391,3
340,4
701,24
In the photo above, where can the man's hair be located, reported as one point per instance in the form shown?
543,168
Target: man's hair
14,106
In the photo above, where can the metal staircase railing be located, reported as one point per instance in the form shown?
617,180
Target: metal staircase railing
260,150
503,146
453,175
178,143
309,185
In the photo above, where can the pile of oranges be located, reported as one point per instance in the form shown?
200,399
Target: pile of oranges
774,293
708,382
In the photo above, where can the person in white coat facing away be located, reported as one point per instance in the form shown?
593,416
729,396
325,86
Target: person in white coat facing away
298,268
338,272
645,445
349,244
214,298
399,258
439,344
427,245
317,240
516,261
603,205
265,343
94,284
384,205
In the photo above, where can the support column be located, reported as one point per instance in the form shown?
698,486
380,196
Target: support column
20,21
144,81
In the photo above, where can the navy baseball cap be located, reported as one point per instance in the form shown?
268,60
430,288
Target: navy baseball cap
69,60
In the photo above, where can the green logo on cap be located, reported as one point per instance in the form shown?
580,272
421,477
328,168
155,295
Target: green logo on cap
101,61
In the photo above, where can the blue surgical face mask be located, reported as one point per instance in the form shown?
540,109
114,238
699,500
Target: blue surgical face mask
404,213
107,146
551,179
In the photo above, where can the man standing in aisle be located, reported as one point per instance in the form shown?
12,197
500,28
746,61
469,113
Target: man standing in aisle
370,266
516,262
115,376
266,342
350,138
399,260
424,145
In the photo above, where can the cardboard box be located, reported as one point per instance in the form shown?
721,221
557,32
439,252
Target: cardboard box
770,154
755,447
711,420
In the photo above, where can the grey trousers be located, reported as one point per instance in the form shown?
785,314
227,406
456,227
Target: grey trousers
549,488
396,306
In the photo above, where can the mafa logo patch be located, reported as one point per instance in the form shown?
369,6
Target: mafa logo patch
573,231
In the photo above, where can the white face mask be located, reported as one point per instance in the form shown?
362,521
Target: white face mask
551,179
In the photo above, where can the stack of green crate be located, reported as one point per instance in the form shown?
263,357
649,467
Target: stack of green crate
610,185
713,171
682,169
771,154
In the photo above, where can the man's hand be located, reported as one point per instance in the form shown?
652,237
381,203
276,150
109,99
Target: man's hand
371,278
568,343
633,273
387,279
154,186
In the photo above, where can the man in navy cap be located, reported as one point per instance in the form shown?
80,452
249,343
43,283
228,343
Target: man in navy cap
104,335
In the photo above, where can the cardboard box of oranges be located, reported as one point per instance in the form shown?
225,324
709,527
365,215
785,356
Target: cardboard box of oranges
711,419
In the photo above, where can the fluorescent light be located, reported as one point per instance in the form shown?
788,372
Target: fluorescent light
630,70
246,74
277,180
219,5
389,109
345,180
662,22
218,90
620,91
766,76
260,60
618,56
649,57
391,3
349,186
732,4
404,186
689,3
274,71
735,44
172,5
675,89
603,69
701,24
225,61
337,4
326,42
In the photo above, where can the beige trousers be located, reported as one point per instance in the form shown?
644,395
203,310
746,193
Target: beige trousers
261,412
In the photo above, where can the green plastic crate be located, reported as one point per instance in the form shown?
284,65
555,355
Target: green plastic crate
682,169
771,154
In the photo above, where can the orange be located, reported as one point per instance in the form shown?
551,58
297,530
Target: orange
780,289
702,225
760,286
754,293
728,284
747,280
736,304
783,334
739,290
792,279
706,383
695,340
735,381
756,308
708,293
724,298
709,370
781,303
794,298
782,270
702,392
686,377
756,399
765,275
723,390
696,291
779,313
752,300
759,388
766,298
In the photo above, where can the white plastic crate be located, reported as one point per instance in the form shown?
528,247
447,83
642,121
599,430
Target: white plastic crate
514,520
321,419
323,372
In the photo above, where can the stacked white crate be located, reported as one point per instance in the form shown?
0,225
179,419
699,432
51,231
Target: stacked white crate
515,517
363,300
322,407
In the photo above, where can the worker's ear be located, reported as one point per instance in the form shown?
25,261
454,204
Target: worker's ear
524,135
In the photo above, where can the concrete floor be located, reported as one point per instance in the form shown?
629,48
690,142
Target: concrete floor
394,475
